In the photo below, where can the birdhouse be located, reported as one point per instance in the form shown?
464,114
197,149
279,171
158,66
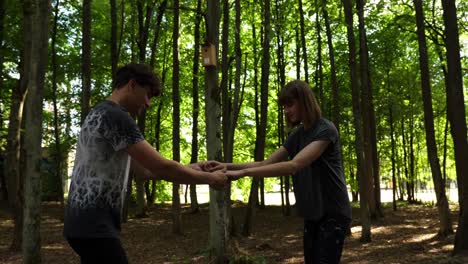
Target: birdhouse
208,55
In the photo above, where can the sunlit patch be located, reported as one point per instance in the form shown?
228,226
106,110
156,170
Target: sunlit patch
422,237
6,223
356,229
53,247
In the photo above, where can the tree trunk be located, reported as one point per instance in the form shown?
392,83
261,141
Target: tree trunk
13,176
194,208
457,118
445,227
335,95
319,66
114,55
303,41
36,36
86,60
393,158
262,124
58,152
176,215
405,161
218,214
365,179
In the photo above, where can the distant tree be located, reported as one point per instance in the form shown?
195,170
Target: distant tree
86,59
303,40
439,184
196,104
457,118
176,214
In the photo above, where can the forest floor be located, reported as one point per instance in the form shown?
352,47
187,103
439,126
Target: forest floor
405,236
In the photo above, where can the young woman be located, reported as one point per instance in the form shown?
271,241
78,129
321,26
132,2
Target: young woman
312,154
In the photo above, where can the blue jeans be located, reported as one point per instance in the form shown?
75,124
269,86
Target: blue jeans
323,240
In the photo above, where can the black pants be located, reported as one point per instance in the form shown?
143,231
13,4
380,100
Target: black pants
323,240
99,250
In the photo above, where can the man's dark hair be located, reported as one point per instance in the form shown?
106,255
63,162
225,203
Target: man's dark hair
301,91
141,73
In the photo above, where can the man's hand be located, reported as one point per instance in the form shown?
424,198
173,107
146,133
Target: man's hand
235,175
218,179
212,165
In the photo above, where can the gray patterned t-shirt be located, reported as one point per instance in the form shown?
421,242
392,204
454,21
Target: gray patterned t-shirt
100,173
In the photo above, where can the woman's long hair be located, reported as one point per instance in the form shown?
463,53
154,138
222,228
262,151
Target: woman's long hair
308,106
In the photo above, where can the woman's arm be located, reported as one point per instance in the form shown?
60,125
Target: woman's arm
280,154
304,158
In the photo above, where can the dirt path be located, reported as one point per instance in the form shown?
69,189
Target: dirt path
405,236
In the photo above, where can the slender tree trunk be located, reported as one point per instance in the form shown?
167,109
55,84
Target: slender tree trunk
457,118
36,36
303,41
445,227
58,151
319,66
392,138
261,128
411,159
86,60
196,104
281,66
114,56
331,52
405,161
176,214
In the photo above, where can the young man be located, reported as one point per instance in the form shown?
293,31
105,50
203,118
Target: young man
315,161
108,143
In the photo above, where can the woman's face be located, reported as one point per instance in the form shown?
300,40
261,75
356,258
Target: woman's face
291,111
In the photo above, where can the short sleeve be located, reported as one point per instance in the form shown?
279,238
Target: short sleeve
327,131
120,130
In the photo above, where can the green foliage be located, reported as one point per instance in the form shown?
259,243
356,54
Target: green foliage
394,72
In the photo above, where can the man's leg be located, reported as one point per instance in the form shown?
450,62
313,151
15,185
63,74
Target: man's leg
99,250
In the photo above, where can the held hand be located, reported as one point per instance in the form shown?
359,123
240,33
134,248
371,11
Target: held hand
195,166
234,174
218,179
212,165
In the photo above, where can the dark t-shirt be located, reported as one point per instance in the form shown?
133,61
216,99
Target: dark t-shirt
320,188
100,174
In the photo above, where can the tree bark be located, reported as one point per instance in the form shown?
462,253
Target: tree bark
218,214
445,224
58,151
86,60
303,41
36,36
393,158
457,118
361,173
335,95
114,55
176,214
262,122
194,208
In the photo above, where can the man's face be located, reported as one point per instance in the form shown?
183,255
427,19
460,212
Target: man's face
140,98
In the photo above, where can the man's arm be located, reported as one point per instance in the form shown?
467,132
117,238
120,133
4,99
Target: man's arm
156,166
304,158
280,154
